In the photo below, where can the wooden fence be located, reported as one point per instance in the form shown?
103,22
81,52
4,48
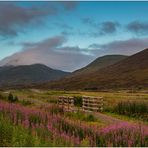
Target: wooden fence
66,102
89,103
94,104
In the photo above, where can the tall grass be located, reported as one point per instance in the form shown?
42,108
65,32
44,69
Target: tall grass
133,109
14,135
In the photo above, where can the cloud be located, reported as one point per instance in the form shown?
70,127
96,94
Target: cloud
137,27
99,29
125,47
67,33
47,43
52,53
89,21
69,5
63,26
108,27
13,17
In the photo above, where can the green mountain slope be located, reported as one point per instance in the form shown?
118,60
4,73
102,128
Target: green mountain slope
28,74
129,72
100,62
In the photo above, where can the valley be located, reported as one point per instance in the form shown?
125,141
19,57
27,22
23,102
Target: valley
37,105
73,73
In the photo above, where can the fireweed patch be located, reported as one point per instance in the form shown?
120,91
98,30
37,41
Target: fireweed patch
55,129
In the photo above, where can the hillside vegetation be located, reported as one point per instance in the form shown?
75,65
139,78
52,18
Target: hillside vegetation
25,75
131,72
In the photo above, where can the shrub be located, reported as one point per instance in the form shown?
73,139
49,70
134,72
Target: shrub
15,99
78,101
90,118
12,98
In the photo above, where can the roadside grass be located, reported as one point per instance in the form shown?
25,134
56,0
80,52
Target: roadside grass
83,117
133,109
125,118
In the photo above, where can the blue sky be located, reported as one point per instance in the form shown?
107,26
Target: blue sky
69,35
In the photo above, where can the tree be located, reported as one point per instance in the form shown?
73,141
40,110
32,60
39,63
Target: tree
15,99
78,101
10,97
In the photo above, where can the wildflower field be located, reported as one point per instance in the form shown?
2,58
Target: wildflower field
43,123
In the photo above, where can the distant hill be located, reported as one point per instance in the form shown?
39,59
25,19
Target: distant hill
28,74
127,73
99,63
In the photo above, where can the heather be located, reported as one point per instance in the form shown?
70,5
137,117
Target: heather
50,127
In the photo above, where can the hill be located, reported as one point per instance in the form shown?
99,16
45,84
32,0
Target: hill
127,73
28,74
99,63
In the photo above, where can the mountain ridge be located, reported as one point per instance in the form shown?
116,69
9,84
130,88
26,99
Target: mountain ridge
28,74
100,62
129,72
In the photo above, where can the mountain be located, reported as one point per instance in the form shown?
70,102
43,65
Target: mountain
28,74
131,72
99,63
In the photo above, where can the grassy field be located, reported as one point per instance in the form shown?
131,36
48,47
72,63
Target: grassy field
36,115
110,98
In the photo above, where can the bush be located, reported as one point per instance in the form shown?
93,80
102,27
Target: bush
15,99
78,101
90,118
12,98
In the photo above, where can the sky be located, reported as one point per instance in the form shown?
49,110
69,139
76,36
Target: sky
69,35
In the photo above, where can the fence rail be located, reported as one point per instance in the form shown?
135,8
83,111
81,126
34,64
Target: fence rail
89,103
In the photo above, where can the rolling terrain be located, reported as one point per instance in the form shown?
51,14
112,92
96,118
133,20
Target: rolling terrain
12,76
99,63
131,72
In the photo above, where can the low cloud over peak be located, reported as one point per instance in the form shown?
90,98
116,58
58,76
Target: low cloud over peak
50,52
54,54
125,47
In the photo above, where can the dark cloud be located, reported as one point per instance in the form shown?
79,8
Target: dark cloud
108,27
13,17
137,27
67,33
69,5
51,52
89,21
47,43
126,47
63,26
99,29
